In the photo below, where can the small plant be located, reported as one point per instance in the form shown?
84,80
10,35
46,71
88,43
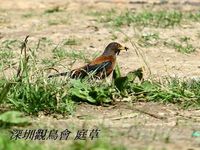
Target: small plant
183,46
32,95
184,49
162,19
149,39
194,16
52,10
63,53
59,53
49,62
96,94
70,41
56,21
7,49
5,56
28,15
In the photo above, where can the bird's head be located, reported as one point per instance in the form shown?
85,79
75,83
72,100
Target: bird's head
114,48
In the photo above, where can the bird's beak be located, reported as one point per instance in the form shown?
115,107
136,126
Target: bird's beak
123,48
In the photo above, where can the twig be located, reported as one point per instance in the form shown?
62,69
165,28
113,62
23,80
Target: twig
125,117
137,51
23,49
150,114
9,66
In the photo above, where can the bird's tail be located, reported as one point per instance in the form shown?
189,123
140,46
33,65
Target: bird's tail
58,74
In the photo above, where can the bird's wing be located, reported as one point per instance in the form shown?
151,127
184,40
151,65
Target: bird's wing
97,68
101,66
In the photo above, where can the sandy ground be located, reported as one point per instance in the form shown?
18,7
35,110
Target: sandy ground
140,125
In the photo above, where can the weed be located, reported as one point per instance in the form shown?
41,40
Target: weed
182,46
70,41
63,53
113,36
59,53
184,49
194,16
7,49
105,16
149,39
49,62
95,94
32,95
52,10
40,96
59,20
52,22
161,19
28,15
173,90
5,56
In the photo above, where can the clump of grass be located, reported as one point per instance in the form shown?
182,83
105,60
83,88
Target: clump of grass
90,92
7,49
163,19
56,16
149,39
113,36
52,10
56,21
194,16
182,46
40,95
28,14
49,62
59,53
158,19
71,41
184,49
34,94
145,18
62,52
5,56
185,93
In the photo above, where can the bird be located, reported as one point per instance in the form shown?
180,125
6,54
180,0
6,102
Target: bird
100,67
